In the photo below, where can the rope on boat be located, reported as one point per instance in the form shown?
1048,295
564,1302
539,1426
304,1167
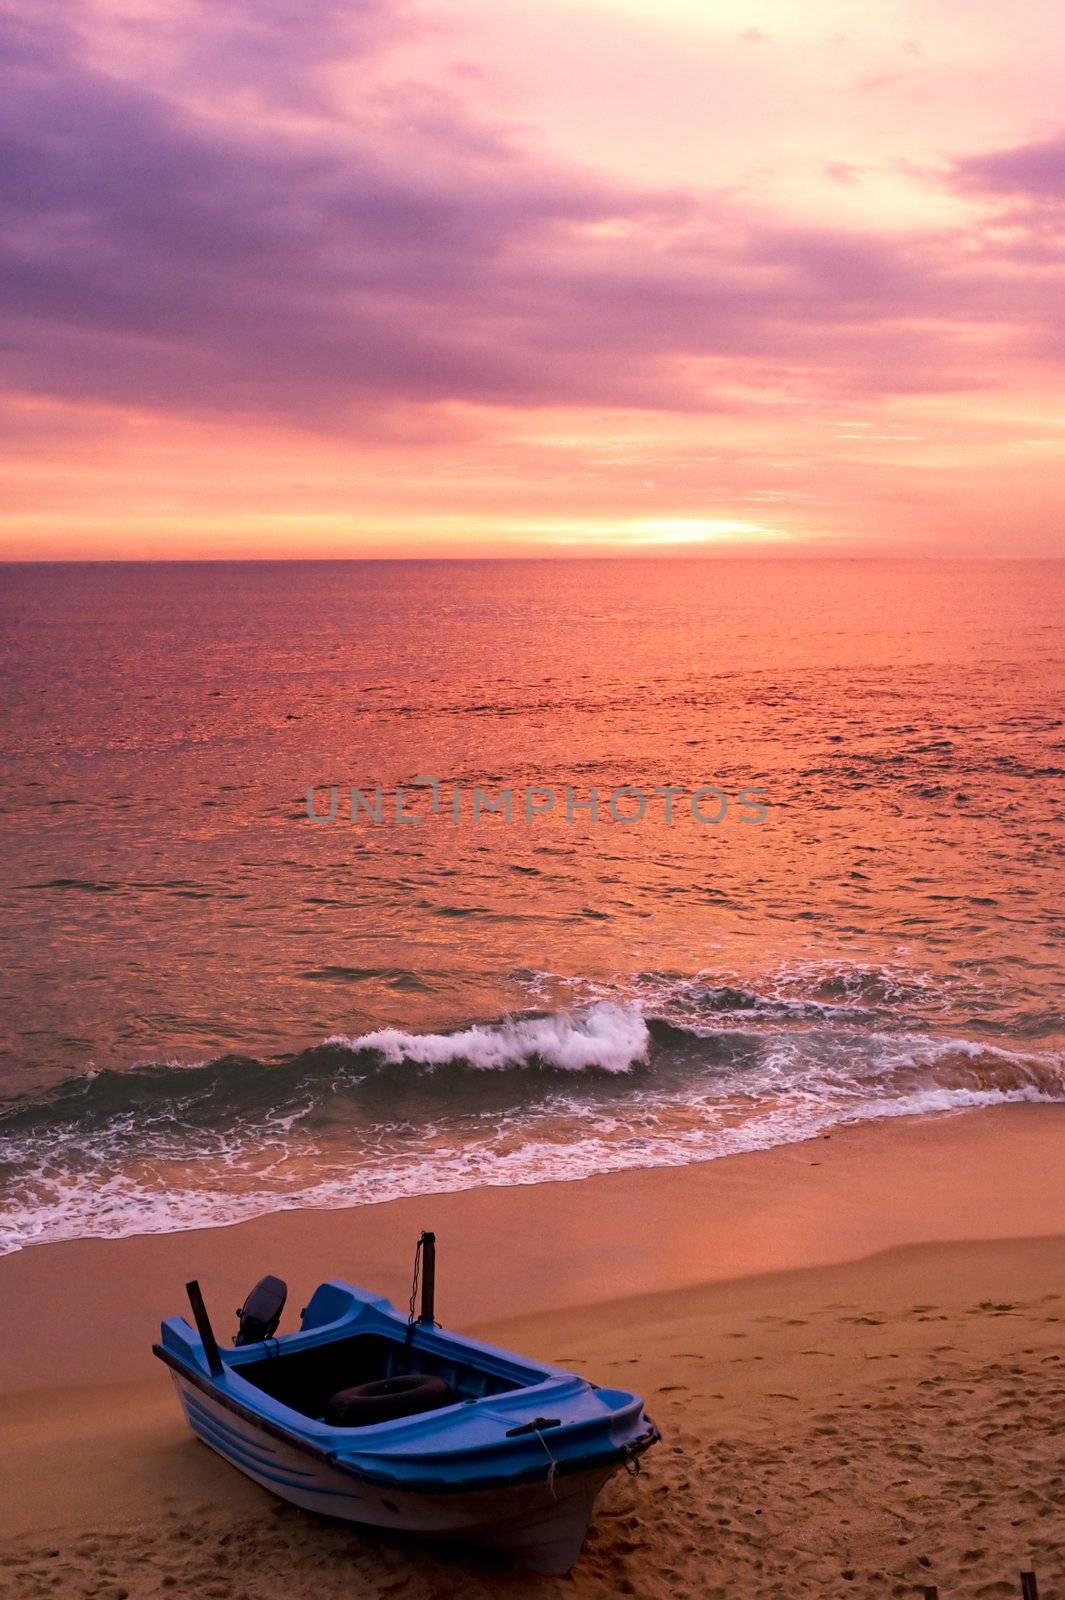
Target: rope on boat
412,1309
552,1471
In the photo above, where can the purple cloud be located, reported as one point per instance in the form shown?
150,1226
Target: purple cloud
166,253
1036,170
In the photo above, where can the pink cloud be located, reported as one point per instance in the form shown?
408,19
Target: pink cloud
159,257
193,225
1036,170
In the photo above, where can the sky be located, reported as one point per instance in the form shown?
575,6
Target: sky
461,277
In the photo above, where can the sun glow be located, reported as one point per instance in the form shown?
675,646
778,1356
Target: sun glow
663,531
696,530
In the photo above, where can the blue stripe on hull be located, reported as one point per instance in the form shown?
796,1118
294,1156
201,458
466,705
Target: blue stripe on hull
253,1445
246,1454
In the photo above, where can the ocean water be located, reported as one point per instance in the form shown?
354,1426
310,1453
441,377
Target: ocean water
214,1006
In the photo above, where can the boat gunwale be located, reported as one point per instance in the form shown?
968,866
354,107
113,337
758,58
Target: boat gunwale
616,1455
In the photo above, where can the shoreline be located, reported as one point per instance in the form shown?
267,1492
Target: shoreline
512,1251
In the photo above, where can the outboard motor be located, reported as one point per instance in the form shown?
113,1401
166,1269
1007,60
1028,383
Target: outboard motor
261,1311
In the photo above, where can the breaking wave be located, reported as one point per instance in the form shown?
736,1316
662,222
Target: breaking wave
664,1071
610,1037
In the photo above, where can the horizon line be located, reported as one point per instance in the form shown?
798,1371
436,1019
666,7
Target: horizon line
621,556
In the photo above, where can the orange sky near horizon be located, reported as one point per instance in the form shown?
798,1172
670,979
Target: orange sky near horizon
440,277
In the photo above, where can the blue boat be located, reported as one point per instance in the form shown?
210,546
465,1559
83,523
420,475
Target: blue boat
375,1417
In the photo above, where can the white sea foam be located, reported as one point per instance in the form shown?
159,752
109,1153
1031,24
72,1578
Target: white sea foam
123,1206
607,1036
837,989
721,1081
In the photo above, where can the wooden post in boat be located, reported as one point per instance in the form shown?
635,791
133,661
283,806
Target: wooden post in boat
204,1329
428,1242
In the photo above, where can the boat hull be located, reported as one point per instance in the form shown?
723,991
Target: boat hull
542,1523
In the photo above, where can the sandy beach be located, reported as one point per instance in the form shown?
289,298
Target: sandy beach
853,1347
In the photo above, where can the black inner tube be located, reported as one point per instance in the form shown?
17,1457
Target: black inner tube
386,1399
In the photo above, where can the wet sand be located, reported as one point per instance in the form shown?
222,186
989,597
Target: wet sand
854,1348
